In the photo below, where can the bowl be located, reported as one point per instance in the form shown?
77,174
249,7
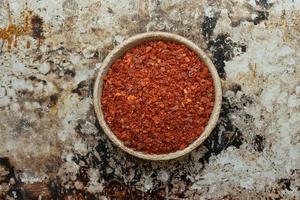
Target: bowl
117,52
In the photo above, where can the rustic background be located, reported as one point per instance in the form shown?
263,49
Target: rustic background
51,145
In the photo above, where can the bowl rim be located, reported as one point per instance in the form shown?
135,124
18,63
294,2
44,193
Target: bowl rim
119,51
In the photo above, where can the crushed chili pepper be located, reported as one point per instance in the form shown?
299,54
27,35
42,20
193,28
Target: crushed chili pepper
158,97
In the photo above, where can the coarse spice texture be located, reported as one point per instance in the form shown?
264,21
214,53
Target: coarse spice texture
158,97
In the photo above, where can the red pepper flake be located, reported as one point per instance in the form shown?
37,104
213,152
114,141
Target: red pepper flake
158,97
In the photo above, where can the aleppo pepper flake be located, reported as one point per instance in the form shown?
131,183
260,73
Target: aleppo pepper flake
158,97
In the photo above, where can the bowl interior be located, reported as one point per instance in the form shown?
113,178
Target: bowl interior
117,53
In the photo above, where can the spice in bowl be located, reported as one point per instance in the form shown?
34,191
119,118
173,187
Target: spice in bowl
158,97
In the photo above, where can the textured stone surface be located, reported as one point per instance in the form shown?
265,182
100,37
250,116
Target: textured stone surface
51,146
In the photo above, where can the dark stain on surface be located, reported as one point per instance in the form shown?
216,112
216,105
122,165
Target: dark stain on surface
55,189
38,58
264,4
83,175
84,89
15,190
37,27
285,183
33,79
243,48
208,26
24,124
225,134
115,186
96,54
246,100
103,164
260,12
116,189
53,100
69,72
235,87
58,191
4,162
222,49
78,126
104,152
259,143
25,94
63,72
261,16
37,190
109,10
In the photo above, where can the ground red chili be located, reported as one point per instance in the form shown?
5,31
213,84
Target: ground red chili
158,97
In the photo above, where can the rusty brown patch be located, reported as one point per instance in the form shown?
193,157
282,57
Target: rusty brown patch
36,190
12,31
37,28
33,25
27,44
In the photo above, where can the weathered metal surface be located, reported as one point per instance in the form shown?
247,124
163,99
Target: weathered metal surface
51,146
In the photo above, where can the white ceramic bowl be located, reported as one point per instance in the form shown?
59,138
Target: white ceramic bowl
118,52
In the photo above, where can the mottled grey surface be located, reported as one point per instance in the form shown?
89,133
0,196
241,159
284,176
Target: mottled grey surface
52,147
